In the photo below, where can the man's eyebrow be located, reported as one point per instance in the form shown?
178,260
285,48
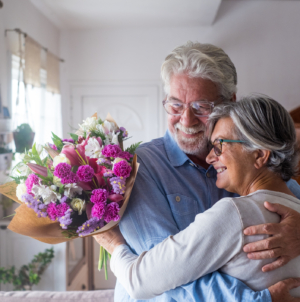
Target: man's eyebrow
174,99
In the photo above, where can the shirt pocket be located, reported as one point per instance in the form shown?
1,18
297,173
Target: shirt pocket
184,209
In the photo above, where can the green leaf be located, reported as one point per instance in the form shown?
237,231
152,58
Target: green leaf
18,179
132,148
61,189
50,174
57,141
74,136
35,155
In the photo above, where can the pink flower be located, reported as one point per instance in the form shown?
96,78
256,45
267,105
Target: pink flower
72,155
62,170
52,211
122,169
70,179
38,169
99,196
98,210
111,151
126,155
62,209
111,213
31,180
85,173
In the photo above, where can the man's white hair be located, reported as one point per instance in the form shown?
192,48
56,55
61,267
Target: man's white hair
201,61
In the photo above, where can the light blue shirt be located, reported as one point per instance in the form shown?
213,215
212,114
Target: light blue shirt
170,190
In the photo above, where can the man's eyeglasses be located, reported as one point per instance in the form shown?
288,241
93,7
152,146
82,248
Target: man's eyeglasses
217,144
199,108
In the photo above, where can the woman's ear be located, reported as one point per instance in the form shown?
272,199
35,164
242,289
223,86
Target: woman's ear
261,158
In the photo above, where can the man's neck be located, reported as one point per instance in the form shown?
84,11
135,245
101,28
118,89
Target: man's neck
199,160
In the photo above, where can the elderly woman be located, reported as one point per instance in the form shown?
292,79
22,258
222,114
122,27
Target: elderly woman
254,153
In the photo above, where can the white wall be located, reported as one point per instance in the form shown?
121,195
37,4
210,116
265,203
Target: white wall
261,37
22,14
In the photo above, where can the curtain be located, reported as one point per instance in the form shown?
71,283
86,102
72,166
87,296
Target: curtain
52,73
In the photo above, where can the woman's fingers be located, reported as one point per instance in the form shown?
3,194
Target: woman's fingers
281,261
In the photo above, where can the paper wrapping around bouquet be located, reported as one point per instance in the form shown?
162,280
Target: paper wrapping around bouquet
26,222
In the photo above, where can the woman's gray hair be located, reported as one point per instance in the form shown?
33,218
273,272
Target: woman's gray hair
201,61
263,124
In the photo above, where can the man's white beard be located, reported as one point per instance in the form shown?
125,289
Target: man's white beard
196,145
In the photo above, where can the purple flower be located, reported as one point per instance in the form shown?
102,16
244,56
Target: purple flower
122,169
31,180
63,199
66,220
52,211
118,185
98,210
85,173
37,205
126,155
62,170
62,209
52,146
111,151
70,179
90,226
111,213
103,161
69,140
108,173
99,196
125,133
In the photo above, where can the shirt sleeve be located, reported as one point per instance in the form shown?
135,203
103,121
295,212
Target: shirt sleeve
147,205
294,187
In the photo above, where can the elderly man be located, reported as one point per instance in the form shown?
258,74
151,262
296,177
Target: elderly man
175,183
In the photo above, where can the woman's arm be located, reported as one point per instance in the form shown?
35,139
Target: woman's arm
204,246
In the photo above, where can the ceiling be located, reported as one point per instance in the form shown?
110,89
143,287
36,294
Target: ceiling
89,14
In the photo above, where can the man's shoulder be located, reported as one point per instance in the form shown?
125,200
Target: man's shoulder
154,147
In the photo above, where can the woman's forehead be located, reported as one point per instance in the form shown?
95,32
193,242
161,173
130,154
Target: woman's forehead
224,128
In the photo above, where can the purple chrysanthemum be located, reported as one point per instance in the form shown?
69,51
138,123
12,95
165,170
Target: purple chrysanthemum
122,169
62,209
112,212
90,226
118,185
69,140
37,205
111,151
62,170
70,179
99,196
125,133
66,220
85,173
31,180
98,210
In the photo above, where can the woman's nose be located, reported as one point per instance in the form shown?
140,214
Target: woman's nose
211,157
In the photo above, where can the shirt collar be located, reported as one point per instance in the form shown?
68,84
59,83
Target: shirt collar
176,156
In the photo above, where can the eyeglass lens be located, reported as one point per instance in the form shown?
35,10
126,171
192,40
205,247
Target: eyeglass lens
198,108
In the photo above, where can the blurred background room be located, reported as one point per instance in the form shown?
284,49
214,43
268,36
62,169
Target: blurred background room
63,60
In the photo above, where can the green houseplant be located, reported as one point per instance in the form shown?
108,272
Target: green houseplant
23,137
29,274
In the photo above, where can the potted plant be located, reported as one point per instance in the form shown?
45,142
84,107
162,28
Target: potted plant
29,274
23,137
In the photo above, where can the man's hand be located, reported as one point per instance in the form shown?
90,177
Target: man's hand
110,239
284,243
280,291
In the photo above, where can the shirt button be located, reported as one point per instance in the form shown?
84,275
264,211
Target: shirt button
207,175
177,198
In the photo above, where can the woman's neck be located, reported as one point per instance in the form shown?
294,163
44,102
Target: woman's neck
267,181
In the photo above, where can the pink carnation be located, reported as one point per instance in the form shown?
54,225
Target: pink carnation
99,196
122,169
111,151
112,212
85,173
62,209
126,155
70,179
62,170
52,211
98,210
31,180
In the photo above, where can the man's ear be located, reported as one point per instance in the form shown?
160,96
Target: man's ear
261,158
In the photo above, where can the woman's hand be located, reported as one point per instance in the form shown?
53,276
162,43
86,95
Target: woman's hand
110,239
284,244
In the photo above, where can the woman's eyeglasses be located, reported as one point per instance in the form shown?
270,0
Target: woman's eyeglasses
217,144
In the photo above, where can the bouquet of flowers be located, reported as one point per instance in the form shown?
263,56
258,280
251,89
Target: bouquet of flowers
80,188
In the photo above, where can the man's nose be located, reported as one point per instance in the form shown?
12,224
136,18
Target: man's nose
211,157
188,119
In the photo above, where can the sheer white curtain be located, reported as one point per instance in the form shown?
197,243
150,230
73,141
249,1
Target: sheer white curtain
35,106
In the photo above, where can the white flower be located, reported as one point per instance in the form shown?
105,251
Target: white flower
114,139
107,127
47,193
23,170
57,181
78,204
89,124
21,190
93,149
72,189
61,158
